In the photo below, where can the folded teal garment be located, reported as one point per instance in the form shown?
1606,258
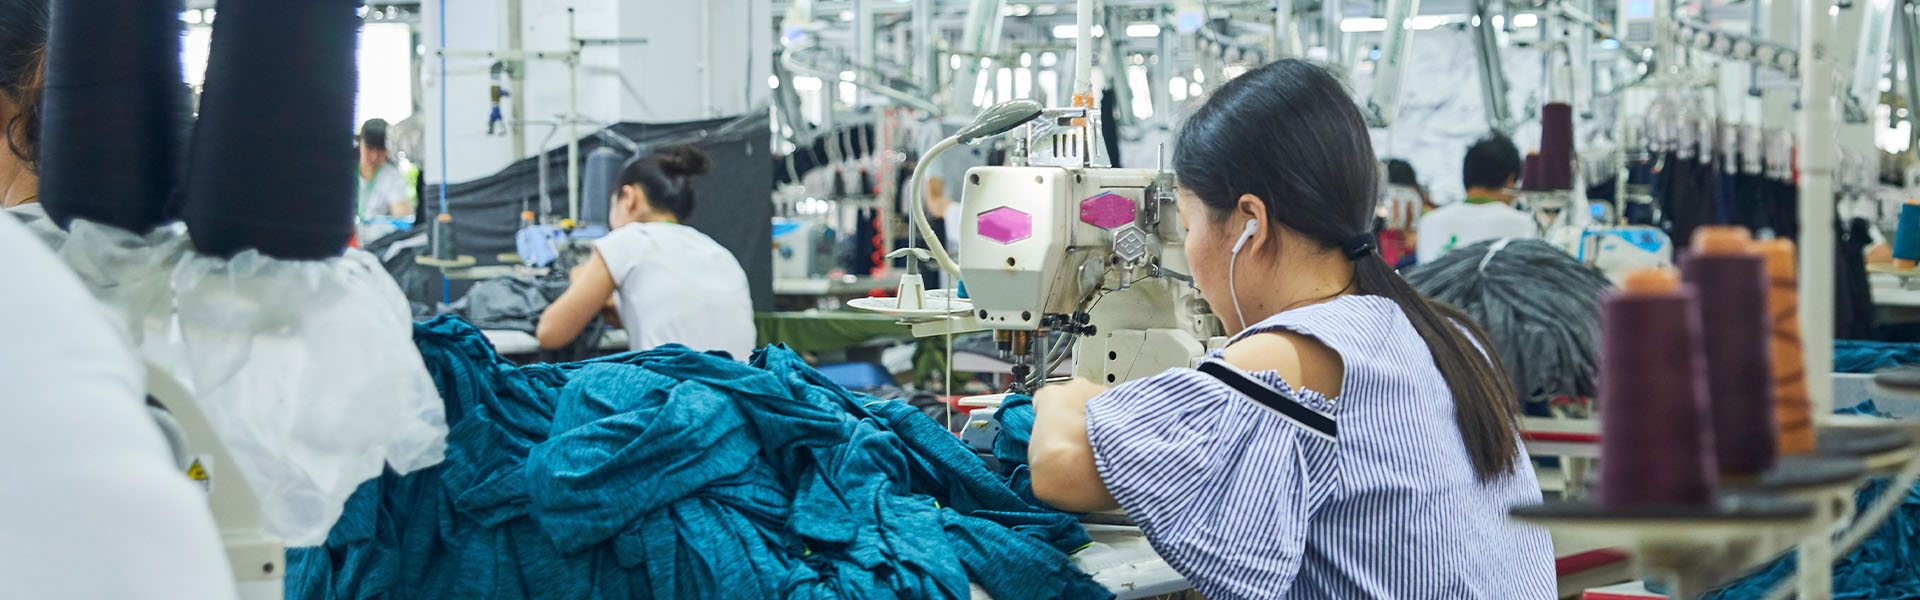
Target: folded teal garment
675,474
1859,356
1015,417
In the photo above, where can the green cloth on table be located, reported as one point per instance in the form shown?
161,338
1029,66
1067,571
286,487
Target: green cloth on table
825,331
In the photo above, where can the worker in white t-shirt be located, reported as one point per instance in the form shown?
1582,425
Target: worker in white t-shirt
669,283
1491,169
385,189
95,505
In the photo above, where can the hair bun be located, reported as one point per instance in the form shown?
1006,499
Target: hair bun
685,161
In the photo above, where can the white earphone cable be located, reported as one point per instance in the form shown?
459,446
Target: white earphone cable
1235,293
1233,290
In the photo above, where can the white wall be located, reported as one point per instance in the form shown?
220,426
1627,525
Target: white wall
1441,111
693,66
385,88
469,26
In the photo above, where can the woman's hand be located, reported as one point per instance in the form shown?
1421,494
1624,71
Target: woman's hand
589,289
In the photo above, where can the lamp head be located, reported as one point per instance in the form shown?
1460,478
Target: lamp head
999,119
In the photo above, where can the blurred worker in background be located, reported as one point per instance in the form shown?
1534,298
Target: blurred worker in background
1490,171
670,283
944,215
384,190
23,54
1402,202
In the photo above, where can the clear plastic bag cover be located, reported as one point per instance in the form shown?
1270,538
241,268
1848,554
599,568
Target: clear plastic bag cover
308,371
127,272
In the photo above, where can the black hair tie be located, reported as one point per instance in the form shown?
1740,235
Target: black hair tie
1358,246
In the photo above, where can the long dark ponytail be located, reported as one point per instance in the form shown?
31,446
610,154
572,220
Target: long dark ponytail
1290,134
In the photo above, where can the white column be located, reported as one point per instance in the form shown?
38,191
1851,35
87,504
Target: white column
1817,152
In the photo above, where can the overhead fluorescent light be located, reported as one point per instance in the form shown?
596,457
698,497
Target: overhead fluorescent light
1143,30
1068,32
1526,20
1363,24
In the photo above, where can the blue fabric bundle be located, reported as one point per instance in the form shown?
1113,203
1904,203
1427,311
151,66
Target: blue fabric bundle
1886,566
676,474
1010,445
1858,356
1906,233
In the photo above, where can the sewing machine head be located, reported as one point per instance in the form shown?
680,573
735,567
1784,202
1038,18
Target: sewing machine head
1058,243
1039,242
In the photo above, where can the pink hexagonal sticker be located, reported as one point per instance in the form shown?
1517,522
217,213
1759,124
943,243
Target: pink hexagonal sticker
1006,225
1107,211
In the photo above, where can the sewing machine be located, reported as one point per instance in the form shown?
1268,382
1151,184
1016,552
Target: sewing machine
1057,242
802,249
1092,252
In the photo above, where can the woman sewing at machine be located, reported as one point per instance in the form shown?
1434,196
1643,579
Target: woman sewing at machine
669,283
1352,441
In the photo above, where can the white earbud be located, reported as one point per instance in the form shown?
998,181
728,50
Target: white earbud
1253,227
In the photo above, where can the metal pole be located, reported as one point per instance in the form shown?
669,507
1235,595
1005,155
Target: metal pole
1910,56
1282,42
517,76
573,123
706,60
1776,102
1663,55
1162,69
1580,54
1330,24
862,48
1117,66
1816,160
926,66
1493,77
1384,104
979,38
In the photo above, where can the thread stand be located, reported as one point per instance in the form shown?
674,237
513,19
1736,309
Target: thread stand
1801,503
1691,548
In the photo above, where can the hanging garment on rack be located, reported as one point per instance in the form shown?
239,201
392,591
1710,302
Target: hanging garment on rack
1750,200
1853,311
1686,198
861,247
1782,206
676,474
1724,209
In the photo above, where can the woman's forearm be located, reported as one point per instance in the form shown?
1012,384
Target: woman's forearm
1060,455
